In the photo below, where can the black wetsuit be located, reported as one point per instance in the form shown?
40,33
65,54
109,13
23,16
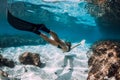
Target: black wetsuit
25,26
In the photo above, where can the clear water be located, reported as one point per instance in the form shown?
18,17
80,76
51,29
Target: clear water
70,21
54,59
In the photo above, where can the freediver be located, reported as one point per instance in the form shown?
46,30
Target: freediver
35,28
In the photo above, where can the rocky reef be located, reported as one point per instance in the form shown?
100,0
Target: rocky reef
28,58
3,73
107,16
6,62
104,63
5,76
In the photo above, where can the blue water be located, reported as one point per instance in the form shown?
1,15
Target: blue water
69,20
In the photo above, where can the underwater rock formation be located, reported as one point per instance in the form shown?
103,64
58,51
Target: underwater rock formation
104,63
5,76
6,62
2,73
107,16
29,58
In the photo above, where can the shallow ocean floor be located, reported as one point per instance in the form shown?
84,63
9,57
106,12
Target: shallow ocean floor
54,60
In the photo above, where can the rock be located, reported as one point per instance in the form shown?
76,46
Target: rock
107,16
5,76
2,73
6,62
104,63
30,58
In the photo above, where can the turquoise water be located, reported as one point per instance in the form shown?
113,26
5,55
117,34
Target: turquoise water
69,20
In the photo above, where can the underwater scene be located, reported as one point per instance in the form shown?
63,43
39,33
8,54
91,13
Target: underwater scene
59,40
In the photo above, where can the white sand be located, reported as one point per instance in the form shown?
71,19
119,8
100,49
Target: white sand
54,59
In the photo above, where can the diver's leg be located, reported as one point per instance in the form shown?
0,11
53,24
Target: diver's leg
46,38
49,40
45,29
60,42
55,36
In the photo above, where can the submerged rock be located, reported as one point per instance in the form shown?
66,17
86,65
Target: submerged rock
107,16
5,76
2,73
6,62
104,63
29,58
